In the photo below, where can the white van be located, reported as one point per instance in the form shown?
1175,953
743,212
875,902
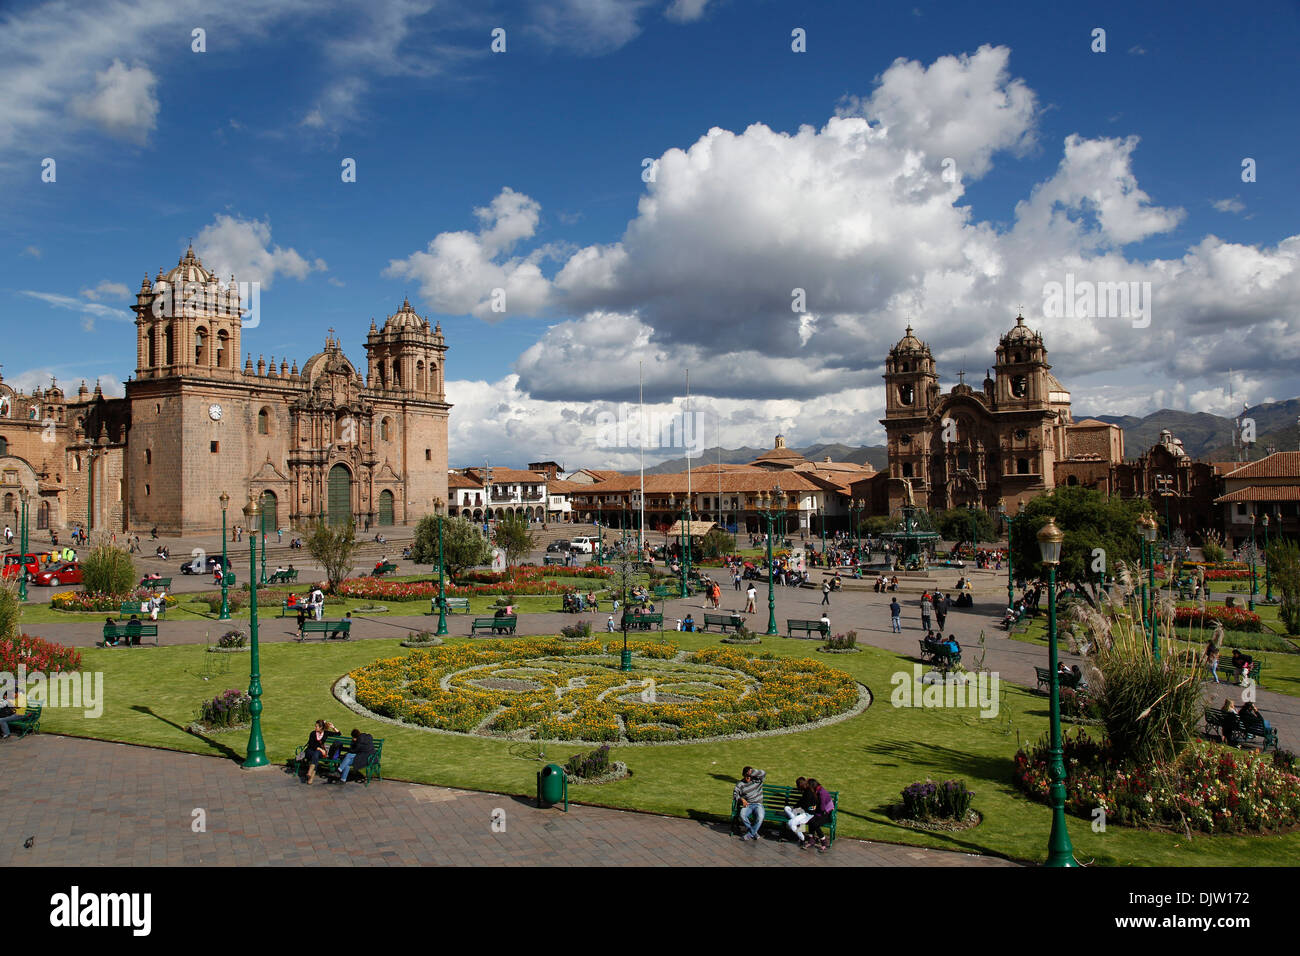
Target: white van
584,545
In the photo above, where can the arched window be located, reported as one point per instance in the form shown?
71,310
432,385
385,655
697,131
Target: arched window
148,456
4,446
907,469
397,375
263,422
906,394
1022,466
419,376
201,346
9,503
169,345
152,348
223,353
386,429
43,516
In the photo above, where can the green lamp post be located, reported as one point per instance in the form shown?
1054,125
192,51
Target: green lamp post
256,746
1151,531
600,532
821,520
1254,586
442,590
261,529
1268,578
225,562
1059,850
1010,520
1143,560
771,505
23,496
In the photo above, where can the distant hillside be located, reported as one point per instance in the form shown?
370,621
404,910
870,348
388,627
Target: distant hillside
1209,436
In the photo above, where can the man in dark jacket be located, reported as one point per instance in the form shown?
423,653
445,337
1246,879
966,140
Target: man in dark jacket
363,745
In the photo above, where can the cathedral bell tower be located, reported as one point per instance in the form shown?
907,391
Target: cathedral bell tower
911,390
187,323
406,356
1021,371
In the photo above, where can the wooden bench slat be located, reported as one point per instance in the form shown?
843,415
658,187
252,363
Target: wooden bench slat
328,628
505,624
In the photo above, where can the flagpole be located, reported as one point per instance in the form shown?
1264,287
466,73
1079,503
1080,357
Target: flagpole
641,430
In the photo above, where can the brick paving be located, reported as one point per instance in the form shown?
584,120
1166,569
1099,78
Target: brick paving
88,803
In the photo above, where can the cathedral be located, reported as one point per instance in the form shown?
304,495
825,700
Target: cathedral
1002,444
316,442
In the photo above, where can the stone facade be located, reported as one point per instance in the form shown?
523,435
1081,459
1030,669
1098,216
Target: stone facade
1004,443
318,442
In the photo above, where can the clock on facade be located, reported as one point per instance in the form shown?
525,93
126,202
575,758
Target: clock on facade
214,412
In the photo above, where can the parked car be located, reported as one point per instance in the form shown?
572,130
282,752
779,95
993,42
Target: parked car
13,562
65,572
584,545
209,566
559,544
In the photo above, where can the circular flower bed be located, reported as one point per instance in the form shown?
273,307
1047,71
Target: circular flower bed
547,688
99,603
1208,787
1232,618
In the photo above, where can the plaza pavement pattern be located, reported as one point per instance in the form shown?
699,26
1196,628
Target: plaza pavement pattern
86,803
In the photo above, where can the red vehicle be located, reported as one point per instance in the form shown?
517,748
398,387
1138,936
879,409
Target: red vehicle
65,572
13,562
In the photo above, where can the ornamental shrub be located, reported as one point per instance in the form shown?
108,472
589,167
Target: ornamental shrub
232,639
108,570
841,642
36,654
226,710
588,765
949,800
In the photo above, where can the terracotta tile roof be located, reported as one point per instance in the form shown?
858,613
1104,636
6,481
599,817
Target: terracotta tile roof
1282,464
746,481
558,487
505,476
1262,493
455,480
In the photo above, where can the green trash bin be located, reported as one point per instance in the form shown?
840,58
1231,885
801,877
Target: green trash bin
552,786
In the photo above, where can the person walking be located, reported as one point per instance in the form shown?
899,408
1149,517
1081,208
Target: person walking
895,616
926,608
826,592
940,604
750,596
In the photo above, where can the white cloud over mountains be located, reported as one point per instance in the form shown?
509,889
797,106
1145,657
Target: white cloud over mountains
860,215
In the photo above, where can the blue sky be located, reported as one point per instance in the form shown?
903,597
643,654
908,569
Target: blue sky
1115,166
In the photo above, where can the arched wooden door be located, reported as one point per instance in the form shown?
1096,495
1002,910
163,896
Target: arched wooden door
340,495
385,507
270,511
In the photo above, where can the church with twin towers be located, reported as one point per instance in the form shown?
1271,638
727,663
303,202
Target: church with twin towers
313,441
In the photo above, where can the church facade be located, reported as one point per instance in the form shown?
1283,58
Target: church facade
316,442
999,445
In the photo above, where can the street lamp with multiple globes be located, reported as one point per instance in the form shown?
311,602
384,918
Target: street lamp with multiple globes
442,591
640,531
600,531
1254,586
855,511
771,505
1268,579
1151,531
1059,850
225,563
1010,520
23,496
256,746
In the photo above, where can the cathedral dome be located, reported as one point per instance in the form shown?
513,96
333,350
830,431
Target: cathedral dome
189,270
330,360
405,318
910,343
1020,334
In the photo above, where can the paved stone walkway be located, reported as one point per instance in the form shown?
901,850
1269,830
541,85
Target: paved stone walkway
87,803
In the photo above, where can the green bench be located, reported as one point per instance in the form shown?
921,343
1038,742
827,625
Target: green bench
497,625
936,652
134,607
794,624
156,584
327,628
370,771
722,621
29,722
283,577
1044,675
1228,670
130,632
286,608
775,800
453,604
382,569
552,559
643,622
1236,729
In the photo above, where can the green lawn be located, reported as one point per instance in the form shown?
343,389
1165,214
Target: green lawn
152,693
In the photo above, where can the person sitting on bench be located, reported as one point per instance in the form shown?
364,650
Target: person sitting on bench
952,646
1250,712
363,745
133,631
689,623
316,748
111,641
803,809
340,632
1243,663
825,807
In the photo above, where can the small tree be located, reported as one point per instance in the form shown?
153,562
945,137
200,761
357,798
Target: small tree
957,524
1284,568
334,547
515,538
108,570
714,544
463,544
1091,520
1212,547
10,608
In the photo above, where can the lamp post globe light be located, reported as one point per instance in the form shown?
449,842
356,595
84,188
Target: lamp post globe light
1151,531
442,592
256,746
1059,850
23,496
1268,580
225,562
770,506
